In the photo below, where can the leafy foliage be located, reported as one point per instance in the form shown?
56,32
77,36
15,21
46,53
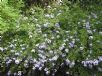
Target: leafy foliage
8,16
59,40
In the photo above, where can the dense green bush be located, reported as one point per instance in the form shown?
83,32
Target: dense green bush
9,15
60,40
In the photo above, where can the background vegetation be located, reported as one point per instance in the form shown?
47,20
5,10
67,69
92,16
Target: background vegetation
50,38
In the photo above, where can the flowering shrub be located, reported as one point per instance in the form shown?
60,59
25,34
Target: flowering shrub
56,41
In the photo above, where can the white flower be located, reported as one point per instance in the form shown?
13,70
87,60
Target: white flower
73,40
59,2
55,57
21,51
83,20
9,73
67,72
66,50
62,47
9,61
90,44
11,45
57,25
57,31
26,61
40,68
42,56
99,69
30,36
62,64
58,14
37,65
90,51
81,48
72,64
71,44
20,73
64,40
33,11
78,22
87,25
89,31
94,15
53,64
49,6
25,18
42,60
67,62
46,69
21,45
71,37
53,74
90,37
38,25
17,61
52,37
41,51
90,66
85,64
35,19
51,52
55,70
95,62
94,30
25,65
52,15
12,50
48,40
44,35
15,74
63,55
43,46
100,58
47,15
14,58
35,60
67,31
46,24
17,54
58,36
47,72
100,33
33,50
37,45
1,49
33,68
77,39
